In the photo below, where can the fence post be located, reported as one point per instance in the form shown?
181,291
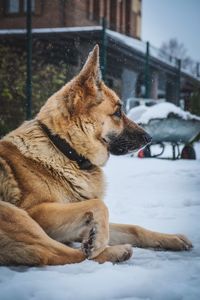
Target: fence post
147,75
29,60
104,49
198,69
179,82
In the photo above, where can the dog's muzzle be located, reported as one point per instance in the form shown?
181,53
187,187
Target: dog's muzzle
128,142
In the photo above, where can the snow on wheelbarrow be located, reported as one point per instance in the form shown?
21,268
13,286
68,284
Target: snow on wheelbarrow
167,123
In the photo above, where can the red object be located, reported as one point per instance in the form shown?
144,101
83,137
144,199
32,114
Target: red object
188,152
141,154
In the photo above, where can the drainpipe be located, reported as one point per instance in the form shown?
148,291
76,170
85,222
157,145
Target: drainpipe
179,83
104,49
198,69
147,75
29,61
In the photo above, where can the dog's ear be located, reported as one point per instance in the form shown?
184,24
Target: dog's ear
91,69
85,89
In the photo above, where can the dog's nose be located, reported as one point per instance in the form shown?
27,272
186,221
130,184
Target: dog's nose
147,138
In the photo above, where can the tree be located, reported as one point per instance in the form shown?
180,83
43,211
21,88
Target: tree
47,78
12,88
174,49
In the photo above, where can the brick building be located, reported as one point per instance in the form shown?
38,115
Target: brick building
123,16
64,31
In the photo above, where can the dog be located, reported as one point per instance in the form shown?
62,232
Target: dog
52,184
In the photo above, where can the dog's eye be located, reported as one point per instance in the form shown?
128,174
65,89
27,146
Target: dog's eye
118,113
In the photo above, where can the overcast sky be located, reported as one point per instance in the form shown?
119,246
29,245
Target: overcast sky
164,19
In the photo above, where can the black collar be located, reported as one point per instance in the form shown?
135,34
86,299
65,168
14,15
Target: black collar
66,149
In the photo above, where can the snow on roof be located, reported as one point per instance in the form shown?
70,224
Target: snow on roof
141,47
129,41
144,114
51,30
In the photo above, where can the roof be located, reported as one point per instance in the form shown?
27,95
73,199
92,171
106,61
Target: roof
130,42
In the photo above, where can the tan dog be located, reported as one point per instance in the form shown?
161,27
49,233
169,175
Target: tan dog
52,185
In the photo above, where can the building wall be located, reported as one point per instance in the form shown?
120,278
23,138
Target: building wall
122,15
48,13
137,15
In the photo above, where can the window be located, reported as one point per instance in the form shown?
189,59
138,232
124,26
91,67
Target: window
13,6
32,5
18,7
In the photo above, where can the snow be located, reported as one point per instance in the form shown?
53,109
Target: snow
129,41
157,194
141,46
135,113
159,111
51,30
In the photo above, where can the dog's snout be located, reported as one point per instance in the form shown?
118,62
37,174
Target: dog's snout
147,138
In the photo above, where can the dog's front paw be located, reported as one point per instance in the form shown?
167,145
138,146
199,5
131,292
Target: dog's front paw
115,254
124,253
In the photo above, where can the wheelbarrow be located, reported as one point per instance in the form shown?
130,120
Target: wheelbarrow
174,130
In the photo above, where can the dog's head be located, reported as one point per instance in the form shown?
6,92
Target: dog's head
89,116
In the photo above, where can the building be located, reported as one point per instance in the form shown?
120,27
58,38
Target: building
123,16
66,30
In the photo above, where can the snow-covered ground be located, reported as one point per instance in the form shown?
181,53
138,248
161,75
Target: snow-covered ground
158,194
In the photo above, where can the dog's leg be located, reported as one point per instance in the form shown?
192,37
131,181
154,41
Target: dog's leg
85,222
143,238
73,222
23,242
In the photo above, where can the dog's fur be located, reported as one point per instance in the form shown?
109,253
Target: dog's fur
48,200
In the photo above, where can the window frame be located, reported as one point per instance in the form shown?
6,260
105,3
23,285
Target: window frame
21,13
